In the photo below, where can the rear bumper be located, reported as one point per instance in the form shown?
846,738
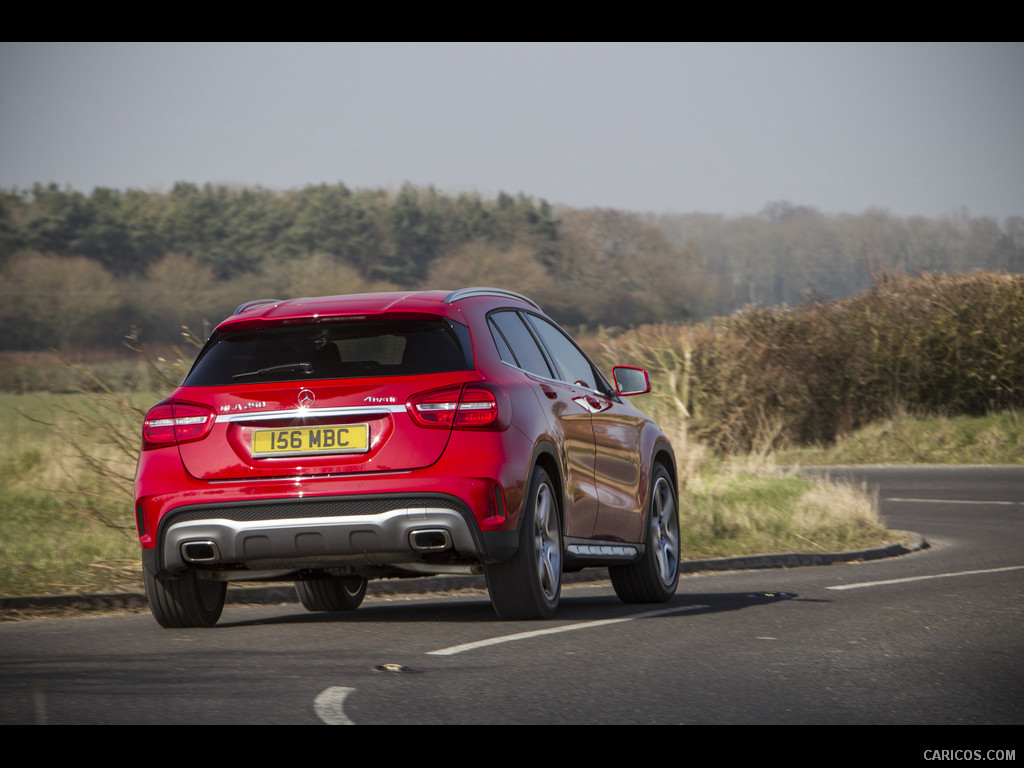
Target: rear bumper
469,501
355,532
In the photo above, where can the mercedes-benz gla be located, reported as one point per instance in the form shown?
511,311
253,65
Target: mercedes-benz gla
328,441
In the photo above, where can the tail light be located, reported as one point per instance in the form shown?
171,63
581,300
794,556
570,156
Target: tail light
475,406
170,422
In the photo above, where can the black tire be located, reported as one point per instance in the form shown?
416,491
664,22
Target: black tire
653,579
529,585
185,601
343,593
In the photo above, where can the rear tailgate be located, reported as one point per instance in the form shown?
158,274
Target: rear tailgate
319,428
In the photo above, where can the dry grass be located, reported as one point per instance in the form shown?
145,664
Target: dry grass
745,510
746,505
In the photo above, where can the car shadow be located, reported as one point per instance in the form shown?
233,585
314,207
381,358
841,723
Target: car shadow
477,609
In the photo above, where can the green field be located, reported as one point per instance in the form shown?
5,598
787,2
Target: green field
65,500
994,439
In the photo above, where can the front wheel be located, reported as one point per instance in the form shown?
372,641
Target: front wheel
654,578
185,601
332,594
529,585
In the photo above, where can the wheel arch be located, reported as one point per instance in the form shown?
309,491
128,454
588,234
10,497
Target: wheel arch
545,456
665,456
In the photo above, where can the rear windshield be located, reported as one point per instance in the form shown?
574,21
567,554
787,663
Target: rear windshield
339,350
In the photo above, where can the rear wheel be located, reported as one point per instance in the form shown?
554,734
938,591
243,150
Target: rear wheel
343,593
654,578
529,586
185,601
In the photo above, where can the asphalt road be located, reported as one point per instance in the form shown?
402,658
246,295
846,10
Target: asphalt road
932,637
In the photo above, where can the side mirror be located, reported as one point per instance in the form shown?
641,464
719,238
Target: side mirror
630,380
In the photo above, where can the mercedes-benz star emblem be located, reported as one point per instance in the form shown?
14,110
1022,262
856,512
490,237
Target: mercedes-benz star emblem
306,398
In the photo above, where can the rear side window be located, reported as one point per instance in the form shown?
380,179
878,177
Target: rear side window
573,365
516,344
338,350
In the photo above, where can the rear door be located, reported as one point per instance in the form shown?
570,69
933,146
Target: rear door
615,430
567,411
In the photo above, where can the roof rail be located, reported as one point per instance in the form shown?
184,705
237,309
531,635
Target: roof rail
465,293
254,303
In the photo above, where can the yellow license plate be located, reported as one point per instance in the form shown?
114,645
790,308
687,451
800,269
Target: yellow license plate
300,441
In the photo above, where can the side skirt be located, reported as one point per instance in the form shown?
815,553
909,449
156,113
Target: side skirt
585,553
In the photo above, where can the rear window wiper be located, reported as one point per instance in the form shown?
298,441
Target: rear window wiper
304,367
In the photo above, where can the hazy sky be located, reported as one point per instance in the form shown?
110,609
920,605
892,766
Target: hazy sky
915,128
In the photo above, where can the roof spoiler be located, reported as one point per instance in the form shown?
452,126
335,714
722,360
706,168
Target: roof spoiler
466,293
254,303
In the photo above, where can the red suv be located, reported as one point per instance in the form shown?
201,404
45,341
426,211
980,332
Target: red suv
328,441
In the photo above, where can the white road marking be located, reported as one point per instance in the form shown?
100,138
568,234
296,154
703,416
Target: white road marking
923,578
451,651
329,705
956,501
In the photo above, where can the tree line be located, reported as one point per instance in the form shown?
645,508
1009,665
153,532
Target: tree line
81,269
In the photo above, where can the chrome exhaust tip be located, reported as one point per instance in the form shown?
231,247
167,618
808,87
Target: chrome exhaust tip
430,539
200,551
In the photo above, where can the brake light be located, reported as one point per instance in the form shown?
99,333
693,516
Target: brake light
434,409
472,407
170,422
477,408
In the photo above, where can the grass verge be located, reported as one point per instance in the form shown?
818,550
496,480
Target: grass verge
65,514
44,549
997,438
747,505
